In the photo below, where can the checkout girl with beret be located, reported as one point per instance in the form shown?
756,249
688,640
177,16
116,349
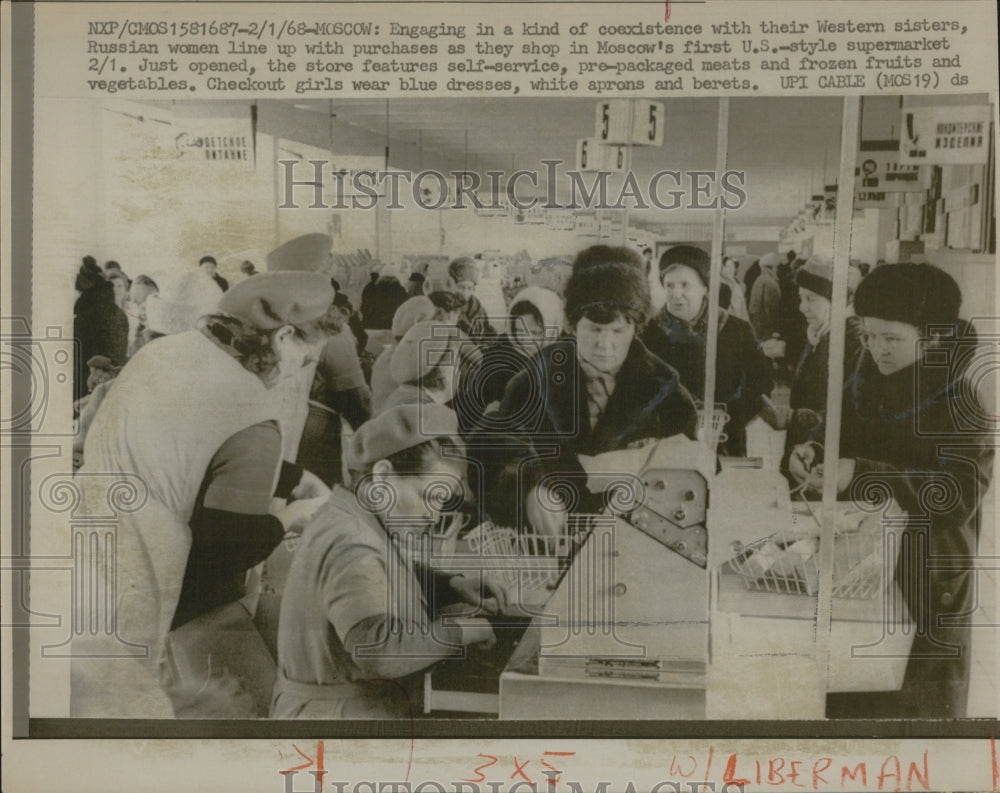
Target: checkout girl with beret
193,423
913,426
357,618
598,390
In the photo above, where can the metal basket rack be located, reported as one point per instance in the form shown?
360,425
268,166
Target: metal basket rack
719,420
531,564
789,564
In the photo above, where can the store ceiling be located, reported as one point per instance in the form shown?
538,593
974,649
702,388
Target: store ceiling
784,145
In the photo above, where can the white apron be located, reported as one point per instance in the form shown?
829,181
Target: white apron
165,417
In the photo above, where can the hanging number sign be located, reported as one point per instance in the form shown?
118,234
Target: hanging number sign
612,122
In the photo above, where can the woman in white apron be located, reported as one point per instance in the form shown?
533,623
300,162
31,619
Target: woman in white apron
183,415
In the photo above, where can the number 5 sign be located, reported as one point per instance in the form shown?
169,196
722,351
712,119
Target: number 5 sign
613,122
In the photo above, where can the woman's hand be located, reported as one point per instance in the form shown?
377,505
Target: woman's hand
845,473
773,348
296,514
803,466
802,462
488,596
310,486
546,513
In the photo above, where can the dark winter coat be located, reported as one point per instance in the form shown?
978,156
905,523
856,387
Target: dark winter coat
543,425
742,373
764,304
910,434
386,295
808,394
99,328
501,361
473,320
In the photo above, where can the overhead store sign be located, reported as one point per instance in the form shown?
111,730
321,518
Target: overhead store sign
222,141
624,121
592,155
879,173
945,135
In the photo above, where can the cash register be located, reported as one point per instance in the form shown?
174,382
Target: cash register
692,596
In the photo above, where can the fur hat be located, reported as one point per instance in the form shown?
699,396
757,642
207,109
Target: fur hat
464,269
181,301
425,346
917,294
548,304
816,275
397,429
270,300
688,255
602,254
613,287
416,309
307,252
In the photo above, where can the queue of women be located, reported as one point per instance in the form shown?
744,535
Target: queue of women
455,417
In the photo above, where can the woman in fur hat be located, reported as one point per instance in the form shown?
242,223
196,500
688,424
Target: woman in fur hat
912,426
678,335
807,403
194,419
600,390
473,319
360,618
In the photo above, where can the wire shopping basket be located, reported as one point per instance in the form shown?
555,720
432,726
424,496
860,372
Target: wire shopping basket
789,563
528,563
720,418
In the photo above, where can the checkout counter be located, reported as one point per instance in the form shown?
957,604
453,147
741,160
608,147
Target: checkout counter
693,597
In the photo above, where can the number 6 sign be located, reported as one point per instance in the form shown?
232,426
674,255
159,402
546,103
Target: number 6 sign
592,155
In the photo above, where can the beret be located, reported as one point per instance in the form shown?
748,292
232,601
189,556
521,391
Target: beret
816,275
270,300
416,309
425,346
464,269
397,429
309,252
